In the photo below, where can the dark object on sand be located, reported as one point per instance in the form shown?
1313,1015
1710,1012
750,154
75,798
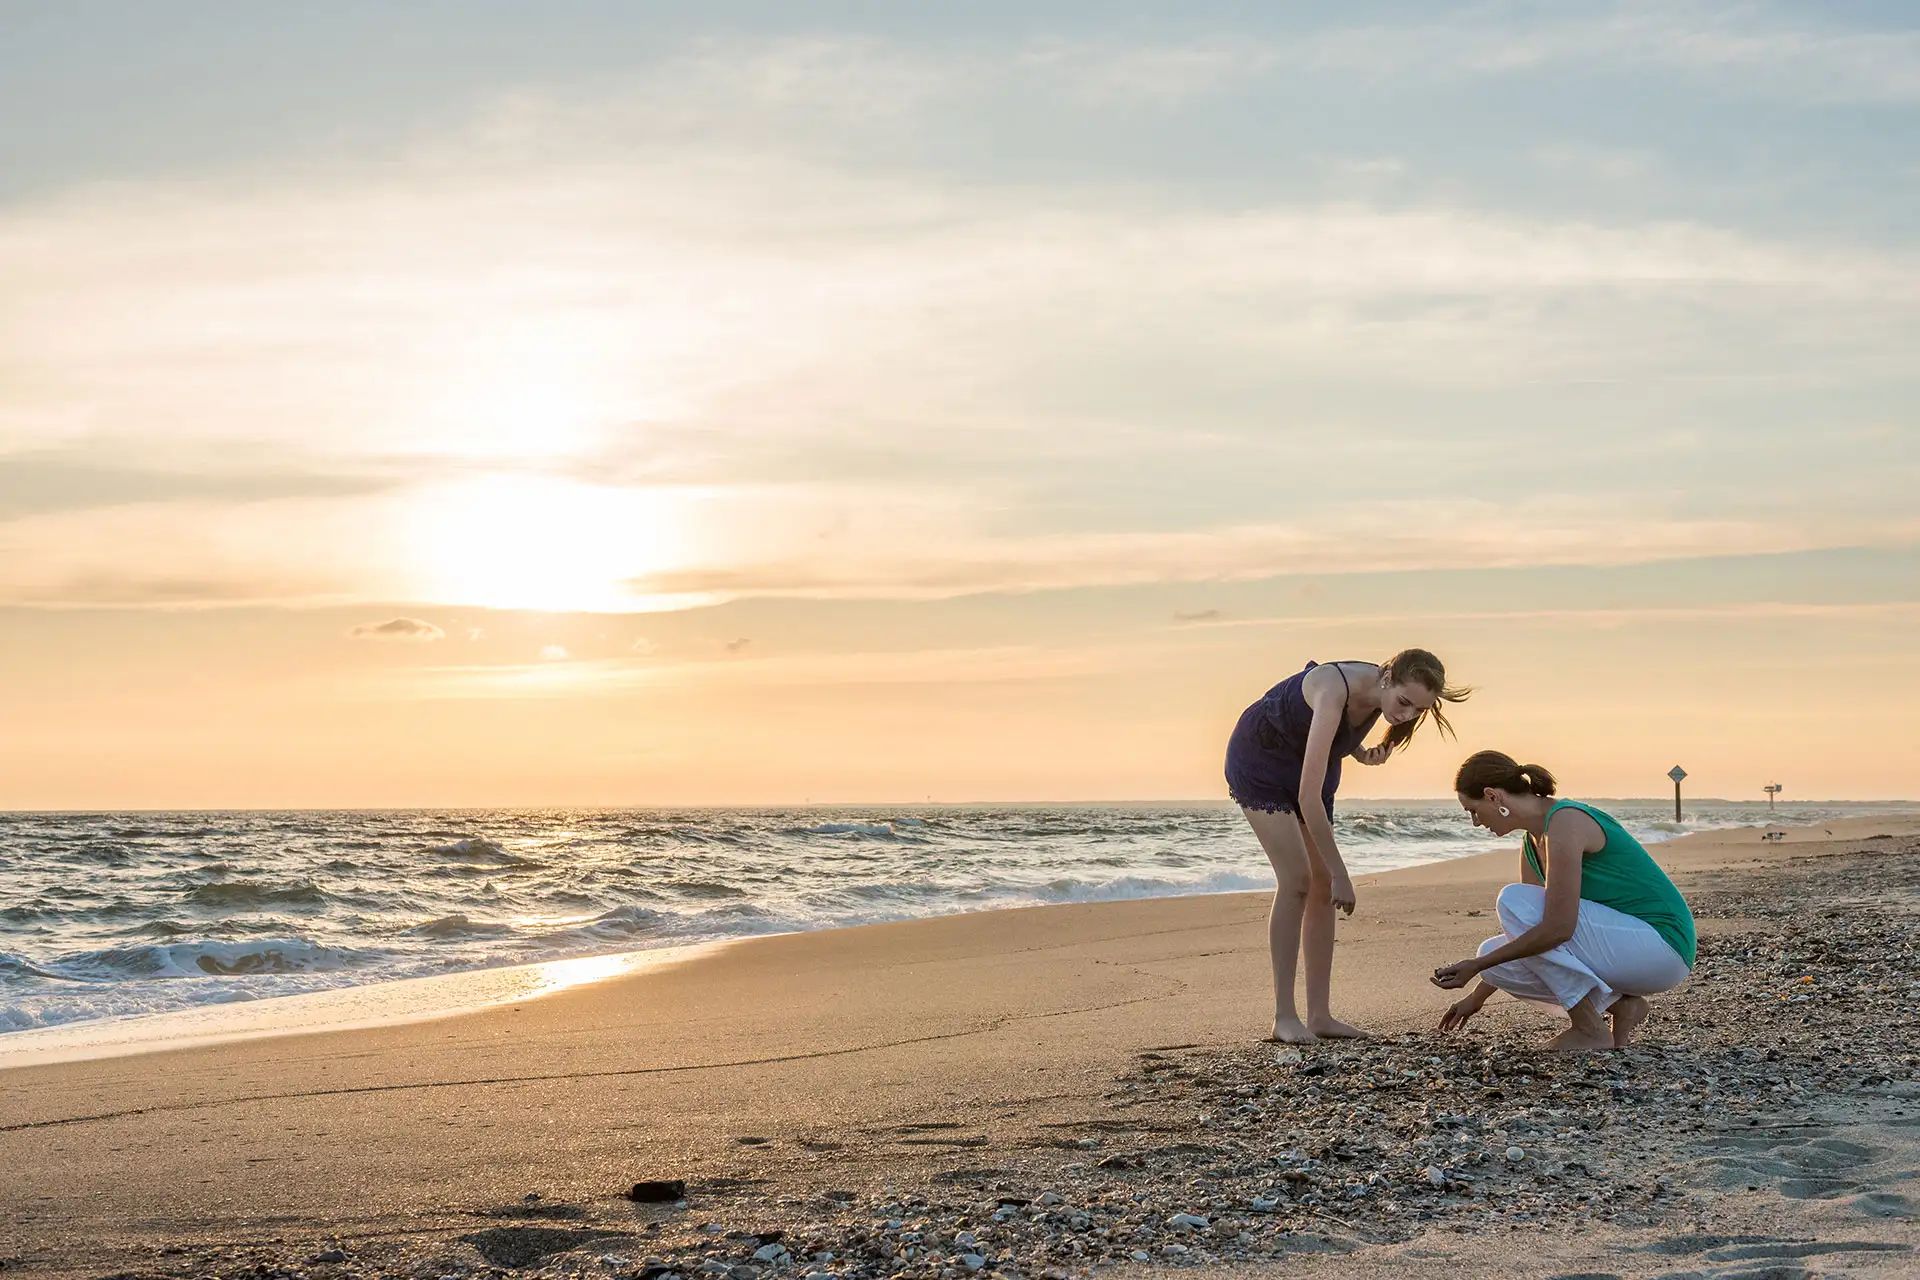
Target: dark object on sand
658,1192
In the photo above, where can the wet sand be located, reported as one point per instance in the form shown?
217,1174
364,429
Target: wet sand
875,1064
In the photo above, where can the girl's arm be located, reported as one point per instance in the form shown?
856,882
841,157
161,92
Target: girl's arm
1329,705
1571,836
1375,754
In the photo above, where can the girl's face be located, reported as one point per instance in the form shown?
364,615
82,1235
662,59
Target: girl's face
1485,808
1402,702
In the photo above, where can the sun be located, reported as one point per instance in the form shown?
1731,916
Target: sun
544,543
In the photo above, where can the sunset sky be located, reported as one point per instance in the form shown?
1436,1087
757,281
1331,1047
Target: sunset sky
622,403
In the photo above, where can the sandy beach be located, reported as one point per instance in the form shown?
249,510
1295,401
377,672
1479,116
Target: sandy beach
1055,1082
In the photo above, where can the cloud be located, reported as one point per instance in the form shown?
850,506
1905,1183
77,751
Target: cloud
737,646
733,369
38,482
642,645
1743,50
405,629
920,555
1203,615
554,653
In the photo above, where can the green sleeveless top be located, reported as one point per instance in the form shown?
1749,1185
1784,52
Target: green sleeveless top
1621,874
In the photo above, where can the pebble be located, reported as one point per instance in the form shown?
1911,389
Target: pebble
1516,1154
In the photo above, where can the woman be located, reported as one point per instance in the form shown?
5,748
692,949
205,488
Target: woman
1594,931
1288,747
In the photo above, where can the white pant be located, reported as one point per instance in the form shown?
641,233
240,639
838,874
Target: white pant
1611,954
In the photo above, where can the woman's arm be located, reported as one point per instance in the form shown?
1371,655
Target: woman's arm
1570,838
1460,1011
1329,703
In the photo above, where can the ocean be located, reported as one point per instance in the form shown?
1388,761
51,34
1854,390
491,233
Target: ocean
117,915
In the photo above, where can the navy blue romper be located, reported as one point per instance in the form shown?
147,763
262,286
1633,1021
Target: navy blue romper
1269,745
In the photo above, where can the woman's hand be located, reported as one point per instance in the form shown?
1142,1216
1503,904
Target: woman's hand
1376,754
1341,891
1460,1011
1455,976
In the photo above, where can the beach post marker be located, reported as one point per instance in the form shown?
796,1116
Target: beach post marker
1676,773
1772,789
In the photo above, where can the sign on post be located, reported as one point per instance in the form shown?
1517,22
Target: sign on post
1676,773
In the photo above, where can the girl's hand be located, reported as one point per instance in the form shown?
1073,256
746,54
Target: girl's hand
1454,976
1342,893
1459,1012
1376,754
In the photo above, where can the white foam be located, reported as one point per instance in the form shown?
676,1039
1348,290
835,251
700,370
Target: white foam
375,1004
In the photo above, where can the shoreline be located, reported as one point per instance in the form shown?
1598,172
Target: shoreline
393,1002
915,1070
426,998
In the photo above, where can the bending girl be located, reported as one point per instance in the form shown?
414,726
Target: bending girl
1594,931
1287,749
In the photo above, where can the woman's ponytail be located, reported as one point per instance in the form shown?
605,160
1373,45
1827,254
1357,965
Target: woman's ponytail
1537,779
1502,772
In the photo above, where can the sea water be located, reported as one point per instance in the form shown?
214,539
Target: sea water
115,915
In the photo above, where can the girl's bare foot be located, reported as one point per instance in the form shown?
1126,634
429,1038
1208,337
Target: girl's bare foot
1575,1040
1291,1031
1627,1013
1331,1028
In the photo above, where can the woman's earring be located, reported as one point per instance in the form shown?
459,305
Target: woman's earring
1505,812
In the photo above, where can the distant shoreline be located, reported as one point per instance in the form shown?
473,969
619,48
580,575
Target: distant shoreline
902,805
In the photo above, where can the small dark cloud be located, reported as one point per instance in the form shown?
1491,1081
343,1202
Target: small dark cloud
1204,615
735,646
412,629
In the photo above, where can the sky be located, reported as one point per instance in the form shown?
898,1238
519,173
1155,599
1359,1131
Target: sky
763,403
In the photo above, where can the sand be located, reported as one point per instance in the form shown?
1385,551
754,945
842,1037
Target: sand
860,1061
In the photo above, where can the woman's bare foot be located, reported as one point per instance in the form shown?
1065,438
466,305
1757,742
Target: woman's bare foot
1589,1029
1331,1028
1627,1013
1291,1031
1574,1040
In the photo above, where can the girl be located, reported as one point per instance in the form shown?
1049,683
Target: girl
1287,748
1595,930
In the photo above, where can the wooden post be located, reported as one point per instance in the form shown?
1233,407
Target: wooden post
1772,789
1676,773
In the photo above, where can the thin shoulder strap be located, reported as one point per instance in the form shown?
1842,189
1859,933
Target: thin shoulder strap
1343,680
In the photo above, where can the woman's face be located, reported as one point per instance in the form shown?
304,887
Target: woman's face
1402,702
1485,808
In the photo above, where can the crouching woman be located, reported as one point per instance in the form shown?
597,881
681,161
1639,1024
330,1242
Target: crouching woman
1594,927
